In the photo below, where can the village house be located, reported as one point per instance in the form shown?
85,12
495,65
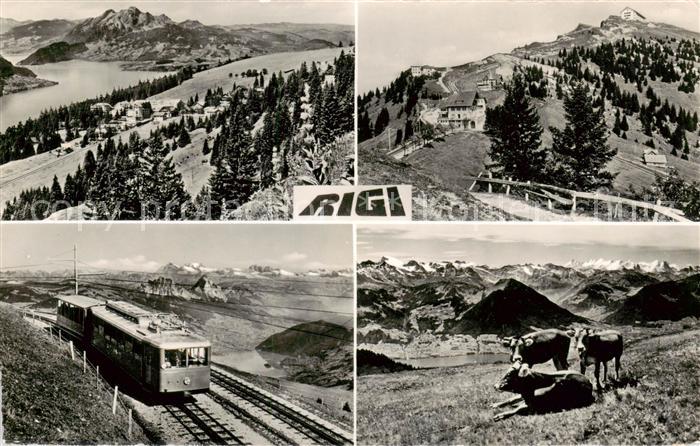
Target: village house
158,117
652,158
630,14
423,70
210,111
465,110
329,79
103,106
490,82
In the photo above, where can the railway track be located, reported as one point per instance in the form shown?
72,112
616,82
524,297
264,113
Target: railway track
204,428
300,422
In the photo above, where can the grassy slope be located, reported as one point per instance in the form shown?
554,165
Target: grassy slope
46,398
219,77
452,405
432,199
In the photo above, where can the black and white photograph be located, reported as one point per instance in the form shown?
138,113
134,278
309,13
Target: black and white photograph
528,334
172,110
536,111
176,334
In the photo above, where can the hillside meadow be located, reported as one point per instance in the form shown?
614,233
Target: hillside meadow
655,401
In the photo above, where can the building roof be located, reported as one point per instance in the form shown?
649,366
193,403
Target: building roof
654,158
80,301
633,10
463,99
157,329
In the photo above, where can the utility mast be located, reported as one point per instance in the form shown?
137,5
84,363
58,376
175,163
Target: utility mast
75,266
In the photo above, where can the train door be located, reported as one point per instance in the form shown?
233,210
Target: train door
148,366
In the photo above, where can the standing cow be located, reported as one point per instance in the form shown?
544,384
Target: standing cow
540,346
543,392
595,347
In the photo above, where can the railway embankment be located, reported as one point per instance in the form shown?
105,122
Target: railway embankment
46,397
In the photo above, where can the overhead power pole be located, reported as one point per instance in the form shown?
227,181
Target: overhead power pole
75,266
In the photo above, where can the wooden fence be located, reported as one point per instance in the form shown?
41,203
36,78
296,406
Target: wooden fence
408,147
91,371
571,198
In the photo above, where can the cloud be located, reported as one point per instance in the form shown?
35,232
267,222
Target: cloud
294,257
135,263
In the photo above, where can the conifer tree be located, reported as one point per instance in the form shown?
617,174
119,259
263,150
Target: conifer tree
161,185
515,133
264,146
183,138
56,196
70,192
233,180
580,150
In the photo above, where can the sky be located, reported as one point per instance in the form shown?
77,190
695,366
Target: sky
208,12
394,35
510,244
146,247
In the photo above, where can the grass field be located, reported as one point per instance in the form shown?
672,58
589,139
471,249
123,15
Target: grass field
656,402
219,77
46,397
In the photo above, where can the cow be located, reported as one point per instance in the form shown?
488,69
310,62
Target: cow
540,392
595,347
540,346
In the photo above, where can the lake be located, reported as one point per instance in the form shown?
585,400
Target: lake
77,80
453,361
255,362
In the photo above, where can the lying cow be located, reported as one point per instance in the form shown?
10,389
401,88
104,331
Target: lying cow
595,347
543,392
540,346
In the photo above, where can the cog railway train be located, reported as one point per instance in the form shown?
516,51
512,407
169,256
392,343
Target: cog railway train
154,349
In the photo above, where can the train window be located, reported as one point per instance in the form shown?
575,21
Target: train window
174,358
185,357
196,356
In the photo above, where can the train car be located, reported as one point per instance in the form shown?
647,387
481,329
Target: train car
154,349
72,314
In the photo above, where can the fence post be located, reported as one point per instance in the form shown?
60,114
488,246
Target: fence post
60,336
72,352
549,203
114,402
527,194
2,433
490,185
84,362
573,204
508,186
656,214
97,376
129,424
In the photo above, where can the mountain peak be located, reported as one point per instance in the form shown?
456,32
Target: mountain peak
113,23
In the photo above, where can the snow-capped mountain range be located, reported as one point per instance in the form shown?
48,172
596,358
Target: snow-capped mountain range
253,271
529,269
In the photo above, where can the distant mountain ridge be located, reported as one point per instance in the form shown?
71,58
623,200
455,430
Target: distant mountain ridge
402,303
144,39
196,268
